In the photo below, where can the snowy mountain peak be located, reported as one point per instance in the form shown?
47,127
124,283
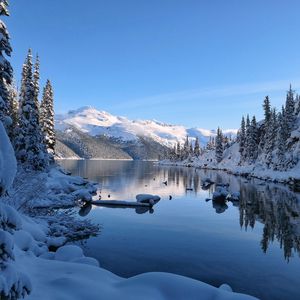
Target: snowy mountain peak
94,122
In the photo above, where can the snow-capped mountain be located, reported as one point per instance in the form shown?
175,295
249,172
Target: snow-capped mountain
100,123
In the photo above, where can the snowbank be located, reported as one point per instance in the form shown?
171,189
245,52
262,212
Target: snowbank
230,164
8,164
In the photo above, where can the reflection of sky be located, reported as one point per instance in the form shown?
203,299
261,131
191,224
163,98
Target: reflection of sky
186,236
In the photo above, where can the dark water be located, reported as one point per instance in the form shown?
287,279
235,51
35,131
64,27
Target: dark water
253,245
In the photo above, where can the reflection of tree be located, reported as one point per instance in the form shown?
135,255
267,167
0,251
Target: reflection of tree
278,209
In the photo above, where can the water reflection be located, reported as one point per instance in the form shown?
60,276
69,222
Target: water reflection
274,206
278,209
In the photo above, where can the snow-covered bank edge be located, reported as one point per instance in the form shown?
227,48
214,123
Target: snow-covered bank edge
231,164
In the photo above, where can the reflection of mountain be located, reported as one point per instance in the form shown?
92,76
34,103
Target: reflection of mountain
278,209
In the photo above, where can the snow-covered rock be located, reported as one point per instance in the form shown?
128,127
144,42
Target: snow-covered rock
68,253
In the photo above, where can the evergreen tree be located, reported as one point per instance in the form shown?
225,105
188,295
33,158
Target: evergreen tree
282,133
267,109
6,72
197,148
178,150
252,146
248,138
47,118
290,111
242,138
29,141
271,137
191,151
186,147
219,145
36,79
13,112
297,105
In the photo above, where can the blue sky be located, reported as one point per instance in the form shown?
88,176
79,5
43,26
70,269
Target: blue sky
198,63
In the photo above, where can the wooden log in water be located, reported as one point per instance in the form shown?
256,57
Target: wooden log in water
120,203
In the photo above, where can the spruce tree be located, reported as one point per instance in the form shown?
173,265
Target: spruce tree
290,111
186,147
270,137
13,112
30,146
248,137
281,138
252,150
267,109
242,138
197,148
219,145
36,79
178,150
47,118
6,71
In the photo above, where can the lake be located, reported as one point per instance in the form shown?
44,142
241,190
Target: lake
253,245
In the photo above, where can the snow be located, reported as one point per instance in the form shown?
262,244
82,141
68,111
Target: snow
147,198
120,203
8,164
231,164
68,280
68,253
94,122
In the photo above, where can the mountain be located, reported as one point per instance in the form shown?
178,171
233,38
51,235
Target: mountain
91,133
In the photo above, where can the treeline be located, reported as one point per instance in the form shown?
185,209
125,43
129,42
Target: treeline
271,141
28,121
192,149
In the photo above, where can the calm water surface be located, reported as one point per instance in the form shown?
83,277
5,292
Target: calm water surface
253,245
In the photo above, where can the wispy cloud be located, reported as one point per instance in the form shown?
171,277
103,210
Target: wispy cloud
209,93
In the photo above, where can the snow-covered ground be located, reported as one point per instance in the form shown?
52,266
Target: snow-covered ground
231,164
94,122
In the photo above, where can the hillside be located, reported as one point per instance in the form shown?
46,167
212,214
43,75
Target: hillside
90,133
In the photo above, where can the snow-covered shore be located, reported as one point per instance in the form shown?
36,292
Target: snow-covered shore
231,164
32,267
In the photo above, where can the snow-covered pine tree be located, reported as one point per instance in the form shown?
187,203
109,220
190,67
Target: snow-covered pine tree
297,105
270,137
219,145
197,148
267,116
191,151
13,112
281,139
36,81
30,148
178,150
6,71
267,109
290,111
47,118
248,137
252,141
242,138
186,148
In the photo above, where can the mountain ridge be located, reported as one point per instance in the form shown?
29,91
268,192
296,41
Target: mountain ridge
95,122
